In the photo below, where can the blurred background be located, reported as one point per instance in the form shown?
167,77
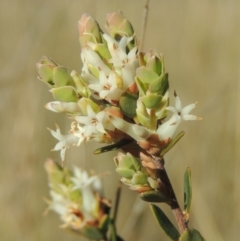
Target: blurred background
200,42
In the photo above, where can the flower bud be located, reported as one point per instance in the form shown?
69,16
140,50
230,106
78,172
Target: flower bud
89,30
132,172
152,82
53,74
64,107
118,26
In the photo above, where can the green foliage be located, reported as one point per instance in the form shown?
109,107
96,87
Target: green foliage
154,197
187,192
128,104
65,94
114,146
172,143
165,223
191,235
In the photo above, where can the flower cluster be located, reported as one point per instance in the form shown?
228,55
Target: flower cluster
75,196
121,93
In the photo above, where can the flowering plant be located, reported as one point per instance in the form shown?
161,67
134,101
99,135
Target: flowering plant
120,98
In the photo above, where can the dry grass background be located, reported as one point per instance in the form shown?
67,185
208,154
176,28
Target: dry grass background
200,41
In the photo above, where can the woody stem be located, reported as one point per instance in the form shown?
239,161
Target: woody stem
162,177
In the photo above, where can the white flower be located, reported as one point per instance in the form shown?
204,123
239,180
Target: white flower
108,86
65,141
164,131
82,181
137,132
118,51
63,107
70,212
91,58
95,122
168,129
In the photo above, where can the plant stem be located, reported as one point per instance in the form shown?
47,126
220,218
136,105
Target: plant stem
164,179
118,195
144,24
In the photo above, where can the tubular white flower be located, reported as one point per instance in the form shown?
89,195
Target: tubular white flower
137,132
108,86
63,107
95,122
91,58
65,141
168,129
83,182
118,51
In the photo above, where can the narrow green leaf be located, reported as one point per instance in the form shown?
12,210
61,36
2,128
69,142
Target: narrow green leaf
92,233
165,223
114,146
187,191
154,197
191,235
172,143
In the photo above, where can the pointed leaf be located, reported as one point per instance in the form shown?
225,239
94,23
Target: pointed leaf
124,172
160,85
113,147
172,143
154,197
92,233
151,100
61,77
128,104
136,163
191,235
103,52
46,73
165,223
187,192
146,76
154,64
139,178
65,94
142,88
81,86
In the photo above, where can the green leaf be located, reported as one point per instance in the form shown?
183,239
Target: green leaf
154,197
142,88
92,233
191,235
124,172
80,84
128,104
154,64
151,100
61,77
172,143
46,73
113,147
145,75
165,223
187,192
65,94
104,223
160,85
139,178
102,51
